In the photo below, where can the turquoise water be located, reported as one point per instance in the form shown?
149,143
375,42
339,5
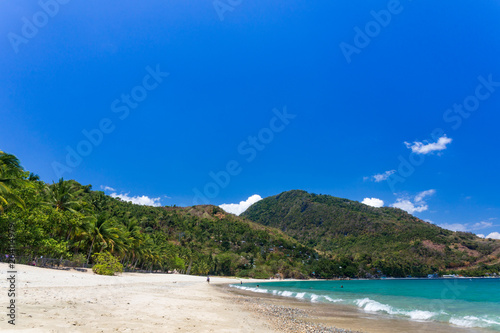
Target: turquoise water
460,302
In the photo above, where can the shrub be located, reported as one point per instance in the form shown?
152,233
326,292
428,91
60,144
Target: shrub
78,259
106,264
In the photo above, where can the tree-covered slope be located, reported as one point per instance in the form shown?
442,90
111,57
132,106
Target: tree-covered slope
294,234
67,220
376,239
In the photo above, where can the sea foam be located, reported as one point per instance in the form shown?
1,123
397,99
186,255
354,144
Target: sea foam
370,305
473,321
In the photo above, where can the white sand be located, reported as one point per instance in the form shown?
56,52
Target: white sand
50,300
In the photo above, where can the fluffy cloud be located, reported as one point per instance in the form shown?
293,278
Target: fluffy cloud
494,235
380,176
429,147
107,188
409,206
455,227
470,227
138,200
481,225
237,209
374,202
421,196
416,205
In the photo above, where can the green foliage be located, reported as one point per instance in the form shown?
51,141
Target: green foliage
294,234
368,241
106,264
11,176
79,259
67,220
64,195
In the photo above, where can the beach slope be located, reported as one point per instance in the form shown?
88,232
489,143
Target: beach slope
51,300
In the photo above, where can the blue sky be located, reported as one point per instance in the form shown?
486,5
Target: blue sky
216,101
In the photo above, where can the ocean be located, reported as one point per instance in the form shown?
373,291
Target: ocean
461,302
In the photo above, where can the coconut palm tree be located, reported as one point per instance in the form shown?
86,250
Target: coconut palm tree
134,240
102,234
10,175
33,177
63,195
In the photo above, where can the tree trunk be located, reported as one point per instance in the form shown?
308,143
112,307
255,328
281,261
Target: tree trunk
90,251
189,267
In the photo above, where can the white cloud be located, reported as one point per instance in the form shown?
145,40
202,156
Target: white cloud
426,147
138,200
380,176
420,196
416,205
494,235
107,188
481,225
455,227
374,202
237,209
409,206
469,226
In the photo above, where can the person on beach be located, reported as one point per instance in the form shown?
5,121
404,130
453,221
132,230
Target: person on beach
208,279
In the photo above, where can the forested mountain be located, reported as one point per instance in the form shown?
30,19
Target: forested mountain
294,234
70,221
386,240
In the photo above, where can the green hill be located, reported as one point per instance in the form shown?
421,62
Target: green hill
294,234
370,240
67,220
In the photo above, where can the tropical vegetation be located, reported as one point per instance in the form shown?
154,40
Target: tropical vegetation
67,220
294,234
359,240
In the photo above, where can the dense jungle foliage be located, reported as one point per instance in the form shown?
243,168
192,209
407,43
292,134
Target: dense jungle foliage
294,234
70,221
374,240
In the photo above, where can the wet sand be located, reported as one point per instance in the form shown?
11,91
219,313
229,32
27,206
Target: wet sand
50,300
350,317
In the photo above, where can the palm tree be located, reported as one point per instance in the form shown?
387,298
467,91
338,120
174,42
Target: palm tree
134,240
33,177
10,175
99,201
103,234
63,195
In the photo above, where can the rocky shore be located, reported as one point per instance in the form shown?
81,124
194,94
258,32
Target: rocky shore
287,319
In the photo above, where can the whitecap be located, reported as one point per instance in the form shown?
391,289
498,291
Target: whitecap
491,322
467,321
374,306
421,315
329,299
300,295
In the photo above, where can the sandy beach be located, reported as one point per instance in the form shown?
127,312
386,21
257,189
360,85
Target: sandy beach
52,300
336,317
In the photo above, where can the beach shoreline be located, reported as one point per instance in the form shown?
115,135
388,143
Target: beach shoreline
54,300
351,318
58,300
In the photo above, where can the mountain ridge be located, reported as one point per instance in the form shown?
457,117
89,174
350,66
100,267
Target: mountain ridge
371,236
